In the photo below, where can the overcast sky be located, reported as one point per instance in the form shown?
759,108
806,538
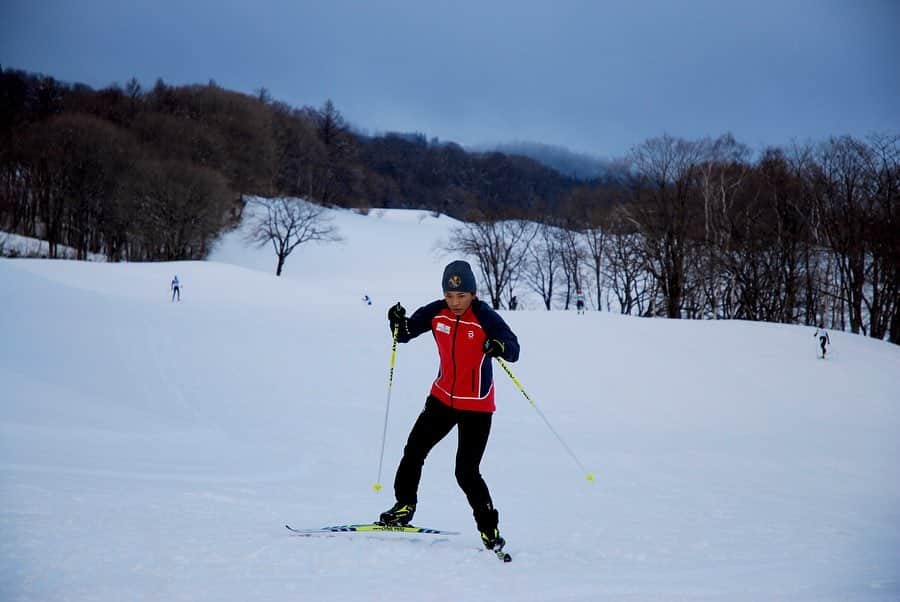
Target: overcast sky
597,77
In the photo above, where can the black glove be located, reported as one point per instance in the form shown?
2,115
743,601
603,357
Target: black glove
493,348
396,315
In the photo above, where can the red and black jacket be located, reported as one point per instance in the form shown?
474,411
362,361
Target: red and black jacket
465,379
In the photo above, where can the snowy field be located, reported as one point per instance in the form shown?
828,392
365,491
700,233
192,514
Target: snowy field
14,245
152,450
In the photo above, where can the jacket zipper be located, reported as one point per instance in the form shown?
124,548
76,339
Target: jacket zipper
453,355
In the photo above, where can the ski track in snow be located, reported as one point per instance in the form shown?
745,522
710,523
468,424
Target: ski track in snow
164,374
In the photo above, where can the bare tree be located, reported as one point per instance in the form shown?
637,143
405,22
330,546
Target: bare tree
178,209
596,240
499,246
288,222
882,293
571,255
844,203
543,264
625,273
721,181
721,177
665,209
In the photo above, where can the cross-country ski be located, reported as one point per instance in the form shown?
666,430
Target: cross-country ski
371,528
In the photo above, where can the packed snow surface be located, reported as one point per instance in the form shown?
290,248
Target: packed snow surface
152,450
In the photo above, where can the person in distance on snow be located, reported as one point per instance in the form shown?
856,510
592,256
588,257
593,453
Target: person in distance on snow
579,301
176,288
468,333
823,338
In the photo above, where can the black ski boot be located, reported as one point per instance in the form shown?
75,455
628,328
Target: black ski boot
487,520
398,516
491,539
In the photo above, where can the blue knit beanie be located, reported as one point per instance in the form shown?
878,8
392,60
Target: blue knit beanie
458,276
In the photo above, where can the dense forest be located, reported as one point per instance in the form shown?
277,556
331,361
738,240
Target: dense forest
155,174
702,229
808,233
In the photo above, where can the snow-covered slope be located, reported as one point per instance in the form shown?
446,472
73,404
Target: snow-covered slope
152,450
15,245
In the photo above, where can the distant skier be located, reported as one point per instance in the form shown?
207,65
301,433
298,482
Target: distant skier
823,338
579,301
367,299
468,333
176,288
513,303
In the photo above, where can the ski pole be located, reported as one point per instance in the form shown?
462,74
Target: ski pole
589,475
377,485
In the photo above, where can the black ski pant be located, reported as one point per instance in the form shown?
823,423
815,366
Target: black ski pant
433,424
822,341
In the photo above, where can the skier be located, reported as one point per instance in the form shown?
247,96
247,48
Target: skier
823,338
367,299
579,301
513,303
468,333
176,288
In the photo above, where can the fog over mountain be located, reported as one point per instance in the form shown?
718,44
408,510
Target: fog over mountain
567,162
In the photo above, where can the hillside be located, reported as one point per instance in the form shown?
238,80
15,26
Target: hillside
581,166
152,450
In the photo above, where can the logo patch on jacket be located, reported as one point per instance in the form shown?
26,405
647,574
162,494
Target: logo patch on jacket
471,334
441,327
